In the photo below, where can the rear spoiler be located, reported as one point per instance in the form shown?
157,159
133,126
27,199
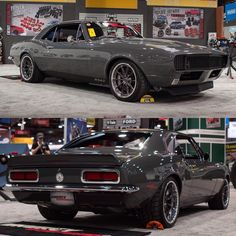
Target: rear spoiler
64,160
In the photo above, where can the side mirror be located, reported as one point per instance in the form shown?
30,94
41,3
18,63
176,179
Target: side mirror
1,30
206,156
3,159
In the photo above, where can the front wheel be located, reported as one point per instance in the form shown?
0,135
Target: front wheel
221,199
29,70
164,206
127,82
57,214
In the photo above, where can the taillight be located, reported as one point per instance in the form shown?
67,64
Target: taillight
23,176
100,177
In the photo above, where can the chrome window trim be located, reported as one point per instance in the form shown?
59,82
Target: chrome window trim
23,181
100,170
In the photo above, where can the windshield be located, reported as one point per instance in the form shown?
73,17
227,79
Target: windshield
111,29
134,140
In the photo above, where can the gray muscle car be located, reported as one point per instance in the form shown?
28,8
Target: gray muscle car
109,53
149,173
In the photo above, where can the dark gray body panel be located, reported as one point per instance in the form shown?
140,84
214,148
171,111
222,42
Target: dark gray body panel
145,170
90,60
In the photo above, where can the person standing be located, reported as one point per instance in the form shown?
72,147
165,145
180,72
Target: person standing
40,147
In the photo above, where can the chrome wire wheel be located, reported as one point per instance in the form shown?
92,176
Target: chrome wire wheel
171,202
123,80
27,68
225,195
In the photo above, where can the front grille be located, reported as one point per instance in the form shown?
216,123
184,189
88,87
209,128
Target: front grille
200,62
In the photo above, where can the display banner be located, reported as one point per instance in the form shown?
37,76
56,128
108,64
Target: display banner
4,136
121,4
213,123
231,151
30,19
74,128
178,23
183,3
136,21
125,123
230,11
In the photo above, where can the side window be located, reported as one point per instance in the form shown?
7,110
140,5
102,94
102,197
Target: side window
68,33
94,30
185,147
49,35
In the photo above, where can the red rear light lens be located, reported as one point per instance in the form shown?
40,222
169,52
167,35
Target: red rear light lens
95,176
24,176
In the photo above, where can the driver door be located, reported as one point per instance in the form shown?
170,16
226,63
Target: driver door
66,55
201,171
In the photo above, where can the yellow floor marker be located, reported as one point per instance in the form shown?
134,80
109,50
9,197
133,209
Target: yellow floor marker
154,225
147,99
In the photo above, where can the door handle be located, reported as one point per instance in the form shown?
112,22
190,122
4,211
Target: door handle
50,47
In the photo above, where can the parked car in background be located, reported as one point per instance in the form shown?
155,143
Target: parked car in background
177,25
149,173
116,55
16,30
161,21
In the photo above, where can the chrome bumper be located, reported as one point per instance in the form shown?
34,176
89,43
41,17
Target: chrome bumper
63,188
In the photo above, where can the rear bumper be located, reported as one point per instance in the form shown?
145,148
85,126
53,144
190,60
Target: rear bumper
189,89
64,188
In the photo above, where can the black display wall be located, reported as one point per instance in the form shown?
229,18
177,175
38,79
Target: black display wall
71,11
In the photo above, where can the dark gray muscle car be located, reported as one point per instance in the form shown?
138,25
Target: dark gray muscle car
150,173
113,54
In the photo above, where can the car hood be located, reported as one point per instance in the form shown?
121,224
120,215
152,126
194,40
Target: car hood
170,46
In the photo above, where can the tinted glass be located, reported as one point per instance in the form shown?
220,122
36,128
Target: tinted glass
122,139
110,29
49,35
185,147
94,30
66,33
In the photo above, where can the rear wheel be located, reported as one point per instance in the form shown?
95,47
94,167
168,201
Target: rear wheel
221,199
127,82
29,70
57,214
164,206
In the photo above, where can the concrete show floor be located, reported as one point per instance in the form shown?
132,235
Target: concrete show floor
197,220
58,98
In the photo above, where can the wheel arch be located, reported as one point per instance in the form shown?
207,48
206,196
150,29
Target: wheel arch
25,52
177,178
118,58
228,178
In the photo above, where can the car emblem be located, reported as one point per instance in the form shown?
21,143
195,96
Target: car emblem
59,177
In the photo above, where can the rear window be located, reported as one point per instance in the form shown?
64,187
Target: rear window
123,140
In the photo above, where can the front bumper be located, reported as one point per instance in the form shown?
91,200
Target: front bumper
189,89
74,189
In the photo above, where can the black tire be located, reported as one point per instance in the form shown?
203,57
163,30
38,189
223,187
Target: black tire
168,31
56,214
136,79
154,210
221,199
15,32
29,71
161,33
